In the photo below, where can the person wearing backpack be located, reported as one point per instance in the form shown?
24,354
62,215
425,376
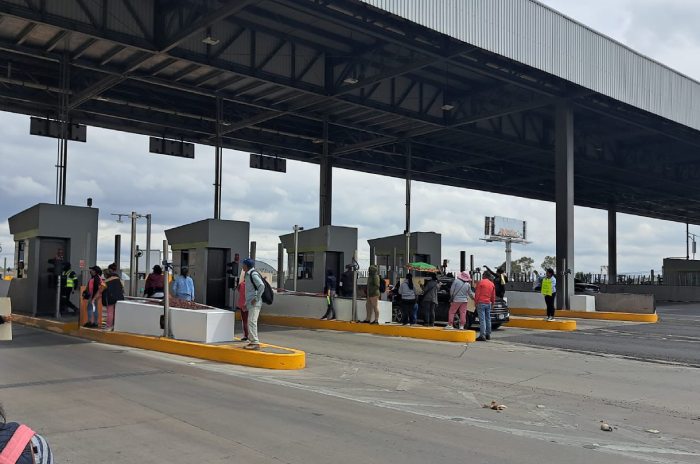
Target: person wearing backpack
373,294
21,445
113,293
430,300
407,291
254,289
329,291
93,294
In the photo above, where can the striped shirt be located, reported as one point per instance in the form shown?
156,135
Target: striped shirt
38,449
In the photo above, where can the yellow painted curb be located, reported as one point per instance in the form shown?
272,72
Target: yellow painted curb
391,330
290,360
528,323
603,315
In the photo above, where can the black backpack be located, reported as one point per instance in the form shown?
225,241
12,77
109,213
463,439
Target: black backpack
382,285
268,295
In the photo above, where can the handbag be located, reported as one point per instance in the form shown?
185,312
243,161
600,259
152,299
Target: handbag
471,305
86,295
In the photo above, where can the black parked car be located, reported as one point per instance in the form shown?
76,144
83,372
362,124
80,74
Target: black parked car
584,288
499,313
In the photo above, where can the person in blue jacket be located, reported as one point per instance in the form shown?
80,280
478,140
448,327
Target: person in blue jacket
183,286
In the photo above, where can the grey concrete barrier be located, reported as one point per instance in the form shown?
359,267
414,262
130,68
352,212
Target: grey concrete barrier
625,303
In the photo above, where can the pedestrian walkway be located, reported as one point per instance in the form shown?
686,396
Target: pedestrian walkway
603,315
390,330
268,357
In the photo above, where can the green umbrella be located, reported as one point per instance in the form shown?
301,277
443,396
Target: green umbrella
423,267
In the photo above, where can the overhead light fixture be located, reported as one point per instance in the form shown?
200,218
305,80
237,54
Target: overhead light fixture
317,141
209,40
447,107
351,80
225,123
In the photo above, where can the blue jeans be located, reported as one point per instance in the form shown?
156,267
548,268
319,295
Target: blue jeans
484,311
92,311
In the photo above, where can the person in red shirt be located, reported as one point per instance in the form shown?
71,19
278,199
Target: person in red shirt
484,298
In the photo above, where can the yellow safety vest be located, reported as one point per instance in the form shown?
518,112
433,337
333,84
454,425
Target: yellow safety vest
70,281
547,286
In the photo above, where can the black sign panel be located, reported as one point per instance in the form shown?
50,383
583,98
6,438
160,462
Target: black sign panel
52,128
171,147
268,163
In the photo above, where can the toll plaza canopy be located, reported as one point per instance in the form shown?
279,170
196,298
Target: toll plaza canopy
470,93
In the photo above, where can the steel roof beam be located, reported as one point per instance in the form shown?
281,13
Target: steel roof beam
230,7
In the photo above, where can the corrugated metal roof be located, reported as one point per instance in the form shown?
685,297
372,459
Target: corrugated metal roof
538,36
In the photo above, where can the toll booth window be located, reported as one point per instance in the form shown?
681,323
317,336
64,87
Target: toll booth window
20,248
305,266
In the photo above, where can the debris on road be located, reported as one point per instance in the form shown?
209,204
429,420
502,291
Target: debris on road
654,431
541,406
495,406
605,427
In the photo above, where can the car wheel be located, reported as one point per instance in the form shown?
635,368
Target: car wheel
470,319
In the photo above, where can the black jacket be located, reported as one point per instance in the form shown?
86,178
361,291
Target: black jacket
114,291
331,284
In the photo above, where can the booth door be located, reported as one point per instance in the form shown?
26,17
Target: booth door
216,277
334,262
55,249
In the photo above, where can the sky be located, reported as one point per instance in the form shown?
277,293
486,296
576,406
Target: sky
116,170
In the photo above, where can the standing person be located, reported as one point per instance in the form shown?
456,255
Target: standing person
113,293
329,292
183,286
460,292
346,287
21,445
536,281
408,300
93,293
549,290
485,299
373,294
500,282
155,286
430,300
240,304
254,288
69,280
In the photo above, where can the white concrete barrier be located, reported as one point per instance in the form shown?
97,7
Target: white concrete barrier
535,300
583,303
314,306
138,318
202,325
5,310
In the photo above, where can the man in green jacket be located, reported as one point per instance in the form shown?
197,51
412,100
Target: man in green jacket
373,296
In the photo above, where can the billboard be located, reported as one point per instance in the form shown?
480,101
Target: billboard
504,227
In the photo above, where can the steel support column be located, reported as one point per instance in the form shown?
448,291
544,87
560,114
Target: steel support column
218,159
409,155
326,184
564,186
612,244
62,157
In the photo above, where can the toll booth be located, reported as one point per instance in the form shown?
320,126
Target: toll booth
319,249
205,247
46,236
388,253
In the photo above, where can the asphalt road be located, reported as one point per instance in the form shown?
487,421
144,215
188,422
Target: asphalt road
362,398
674,339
